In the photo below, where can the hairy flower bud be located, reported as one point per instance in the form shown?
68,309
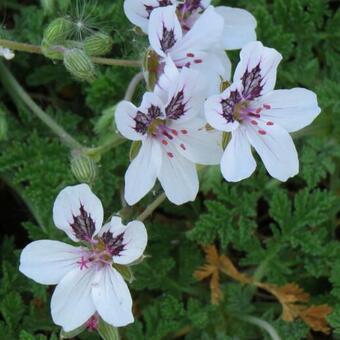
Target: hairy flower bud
79,64
55,36
98,44
83,168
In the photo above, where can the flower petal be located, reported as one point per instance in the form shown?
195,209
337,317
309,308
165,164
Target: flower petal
186,96
124,116
291,109
239,27
257,69
135,239
112,297
47,262
164,30
6,53
78,212
219,109
71,303
276,149
138,11
238,162
141,175
197,143
178,176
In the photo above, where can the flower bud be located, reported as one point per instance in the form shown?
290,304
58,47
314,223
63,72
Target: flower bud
79,64
83,168
98,44
55,34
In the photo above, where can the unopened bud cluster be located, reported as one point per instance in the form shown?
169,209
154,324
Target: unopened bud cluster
59,43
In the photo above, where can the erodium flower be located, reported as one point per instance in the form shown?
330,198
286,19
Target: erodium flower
259,116
239,24
6,53
86,278
173,135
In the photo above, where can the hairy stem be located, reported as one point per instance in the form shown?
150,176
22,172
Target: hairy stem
23,47
152,207
99,150
15,89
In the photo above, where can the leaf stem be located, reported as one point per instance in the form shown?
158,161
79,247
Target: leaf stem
101,149
262,324
15,89
23,47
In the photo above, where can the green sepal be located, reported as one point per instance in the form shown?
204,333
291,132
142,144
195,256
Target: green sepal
135,147
107,332
225,139
125,271
72,334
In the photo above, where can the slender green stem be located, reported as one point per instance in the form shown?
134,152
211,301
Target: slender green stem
133,86
152,207
99,150
23,47
13,87
262,324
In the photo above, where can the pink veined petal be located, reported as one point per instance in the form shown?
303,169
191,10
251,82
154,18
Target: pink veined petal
68,205
165,30
112,298
135,240
219,109
178,176
124,117
239,27
71,303
47,262
257,69
197,143
186,96
276,149
238,161
141,175
291,109
204,35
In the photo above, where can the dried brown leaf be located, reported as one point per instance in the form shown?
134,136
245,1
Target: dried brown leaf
315,318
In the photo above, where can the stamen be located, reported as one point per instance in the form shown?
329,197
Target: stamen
188,64
270,123
164,142
171,155
259,110
174,132
183,147
198,61
262,132
256,115
83,263
184,131
167,135
190,55
254,122
267,106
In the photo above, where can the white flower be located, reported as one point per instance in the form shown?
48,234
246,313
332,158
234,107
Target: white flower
198,48
6,53
259,116
86,278
174,137
239,24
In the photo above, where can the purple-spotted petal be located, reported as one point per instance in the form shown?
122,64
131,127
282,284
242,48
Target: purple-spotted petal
126,243
220,109
164,30
71,303
291,109
112,297
197,143
238,161
186,96
139,11
141,175
78,212
178,176
47,262
239,27
126,124
276,149
257,70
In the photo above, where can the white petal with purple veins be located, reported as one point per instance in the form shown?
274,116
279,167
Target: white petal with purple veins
239,27
47,262
238,161
257,69
125,120
276,149
141,175
78,212
178,176
112,297
164,30
291,109
71,303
